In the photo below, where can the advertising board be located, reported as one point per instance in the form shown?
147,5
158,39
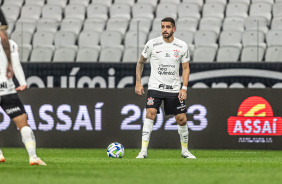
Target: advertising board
93,118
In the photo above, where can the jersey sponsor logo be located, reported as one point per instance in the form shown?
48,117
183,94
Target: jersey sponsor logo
176,53
150,101
162,70
13,110
167,66
158,52
156,44
166,73
177,45
255,117
3,85
164,86
167,55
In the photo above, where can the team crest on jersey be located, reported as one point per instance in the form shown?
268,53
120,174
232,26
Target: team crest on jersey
176,53
150,101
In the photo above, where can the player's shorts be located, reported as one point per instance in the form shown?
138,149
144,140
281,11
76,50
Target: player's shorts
12,105
172,105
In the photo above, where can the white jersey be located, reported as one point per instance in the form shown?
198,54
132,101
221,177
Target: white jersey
7,86
165,60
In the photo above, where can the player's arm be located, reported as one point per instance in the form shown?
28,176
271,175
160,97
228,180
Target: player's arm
185,73
185,76
5,43
17,67
139,69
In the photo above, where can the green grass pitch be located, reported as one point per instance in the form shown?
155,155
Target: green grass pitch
83,166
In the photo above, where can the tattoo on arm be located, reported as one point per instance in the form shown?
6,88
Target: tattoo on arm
139,68
5,44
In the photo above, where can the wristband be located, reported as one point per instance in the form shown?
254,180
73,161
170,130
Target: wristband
184,87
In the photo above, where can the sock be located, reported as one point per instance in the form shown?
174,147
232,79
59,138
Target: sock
29,141
146,133
1,153
183,133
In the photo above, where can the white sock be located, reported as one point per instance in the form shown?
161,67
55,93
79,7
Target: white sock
1,153
183,133
29,141
146,133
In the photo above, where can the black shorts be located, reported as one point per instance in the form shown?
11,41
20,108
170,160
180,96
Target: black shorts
12,105
172,105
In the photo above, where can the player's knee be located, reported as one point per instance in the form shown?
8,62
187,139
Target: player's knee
182,121
21,121
151,114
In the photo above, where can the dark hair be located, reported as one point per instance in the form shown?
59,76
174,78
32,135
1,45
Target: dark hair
169,19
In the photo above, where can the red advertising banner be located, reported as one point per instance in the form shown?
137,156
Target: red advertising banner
255,117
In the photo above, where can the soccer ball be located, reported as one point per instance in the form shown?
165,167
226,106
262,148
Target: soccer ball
115,150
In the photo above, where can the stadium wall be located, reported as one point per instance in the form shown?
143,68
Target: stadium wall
93,118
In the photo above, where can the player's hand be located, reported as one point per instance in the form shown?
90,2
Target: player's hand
10,71
182,95
21,88
139,89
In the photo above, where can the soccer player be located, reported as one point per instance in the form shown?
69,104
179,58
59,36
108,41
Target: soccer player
5,44
12,105
166,53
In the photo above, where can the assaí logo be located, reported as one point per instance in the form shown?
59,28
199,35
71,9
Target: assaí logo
255,117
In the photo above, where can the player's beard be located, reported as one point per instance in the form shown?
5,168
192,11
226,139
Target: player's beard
168,36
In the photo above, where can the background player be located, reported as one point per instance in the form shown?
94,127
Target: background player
166,53
5,44
13,106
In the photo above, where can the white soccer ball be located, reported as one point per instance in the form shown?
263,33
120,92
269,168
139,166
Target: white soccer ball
115,150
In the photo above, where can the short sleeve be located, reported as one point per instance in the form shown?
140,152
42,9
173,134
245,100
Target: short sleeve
146,53
3,22
13,47
186,56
